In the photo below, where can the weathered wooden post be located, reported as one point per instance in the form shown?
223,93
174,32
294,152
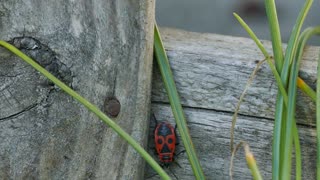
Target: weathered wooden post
103,49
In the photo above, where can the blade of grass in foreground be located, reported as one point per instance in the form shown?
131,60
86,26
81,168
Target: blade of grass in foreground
277,127
293,90
278,56
287,125
318,120
91,107
305,36
176,107
275,33
300,82
264,52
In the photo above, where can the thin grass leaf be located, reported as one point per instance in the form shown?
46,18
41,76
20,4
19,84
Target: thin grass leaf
318,119
289,57
293,90
175,103
275,33
90,107
277,128
301,84
295,67
252,35
277,50
264,52
296,142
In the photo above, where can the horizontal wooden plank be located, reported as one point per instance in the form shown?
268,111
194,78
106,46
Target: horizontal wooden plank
210,131
211,72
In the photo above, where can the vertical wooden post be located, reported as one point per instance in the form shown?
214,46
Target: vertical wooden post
103,49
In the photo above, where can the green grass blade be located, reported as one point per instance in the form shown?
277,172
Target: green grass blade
89,106
277,127
290,54
318,119
264,52
292,92
278,56
297,151
301,84
292,44
252,35
176,107
275,33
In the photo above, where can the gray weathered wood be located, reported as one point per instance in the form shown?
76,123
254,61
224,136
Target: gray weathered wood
101,48
210,72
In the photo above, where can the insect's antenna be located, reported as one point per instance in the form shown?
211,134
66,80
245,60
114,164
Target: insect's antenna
173,173
177,164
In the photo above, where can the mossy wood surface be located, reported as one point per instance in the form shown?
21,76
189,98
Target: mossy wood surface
101,49
211,72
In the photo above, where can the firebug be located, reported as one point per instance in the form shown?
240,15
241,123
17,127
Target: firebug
165,139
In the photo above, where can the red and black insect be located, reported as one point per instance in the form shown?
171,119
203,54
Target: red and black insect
165,139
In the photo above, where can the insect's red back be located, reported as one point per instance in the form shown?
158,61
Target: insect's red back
165,141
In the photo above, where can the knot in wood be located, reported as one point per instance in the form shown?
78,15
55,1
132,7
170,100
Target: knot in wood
112,106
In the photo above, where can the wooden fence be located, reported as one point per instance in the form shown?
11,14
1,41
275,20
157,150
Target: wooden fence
103,49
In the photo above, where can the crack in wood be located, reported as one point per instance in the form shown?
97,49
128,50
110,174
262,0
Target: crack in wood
18,113
228,112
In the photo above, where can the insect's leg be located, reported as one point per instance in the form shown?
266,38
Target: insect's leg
149,177
176,155
183,151
175,162
173,173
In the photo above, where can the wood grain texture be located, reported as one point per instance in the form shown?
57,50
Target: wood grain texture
210,72
100,48
210,132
